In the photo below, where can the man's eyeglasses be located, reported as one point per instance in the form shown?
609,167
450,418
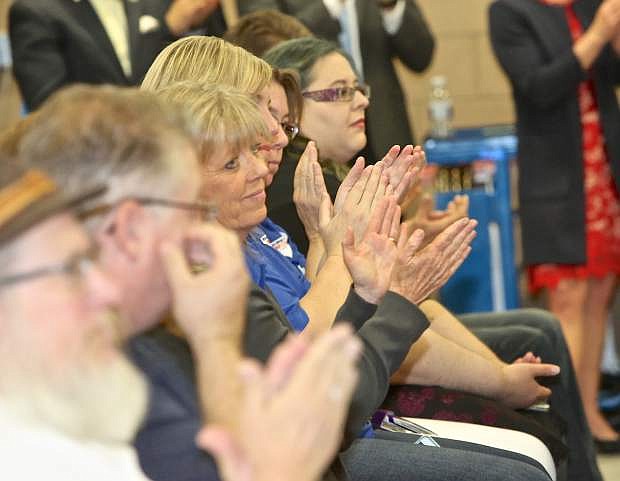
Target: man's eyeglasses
291,130
75,267
337,94
205,211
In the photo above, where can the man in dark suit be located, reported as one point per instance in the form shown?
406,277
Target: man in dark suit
59,42
373,33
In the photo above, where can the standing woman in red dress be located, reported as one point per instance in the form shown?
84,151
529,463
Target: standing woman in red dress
561,57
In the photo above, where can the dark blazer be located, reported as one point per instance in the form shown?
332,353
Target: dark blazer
59,42
165,442
533,44
413,45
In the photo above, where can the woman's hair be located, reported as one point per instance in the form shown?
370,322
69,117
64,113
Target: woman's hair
208,60
258,31
289,80
301,54
226,116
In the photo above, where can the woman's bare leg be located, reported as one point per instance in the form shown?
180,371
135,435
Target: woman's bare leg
596,312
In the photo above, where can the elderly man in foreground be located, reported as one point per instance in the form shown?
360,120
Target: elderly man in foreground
66,389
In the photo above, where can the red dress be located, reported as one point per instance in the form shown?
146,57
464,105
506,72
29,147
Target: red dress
601,196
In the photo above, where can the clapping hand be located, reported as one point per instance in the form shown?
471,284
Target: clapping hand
371,259
293,411
418,274
433,221
309,190
401,167
210,304
357,196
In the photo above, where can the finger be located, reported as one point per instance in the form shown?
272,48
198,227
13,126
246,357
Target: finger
395,228
414,243
283,361
545,370
388,217
543,393
326,351
381,190
378,216
402,238
325,210
175,265
348,182
458,237
318,184
389,158
402,188
448,235
436,215
356,192
376,179
403,162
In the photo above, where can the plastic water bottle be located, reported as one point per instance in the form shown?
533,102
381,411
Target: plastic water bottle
440,108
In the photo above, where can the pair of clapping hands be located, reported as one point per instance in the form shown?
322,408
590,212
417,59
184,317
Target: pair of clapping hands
292,411
364,225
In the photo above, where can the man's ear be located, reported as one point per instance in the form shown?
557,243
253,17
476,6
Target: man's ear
125,230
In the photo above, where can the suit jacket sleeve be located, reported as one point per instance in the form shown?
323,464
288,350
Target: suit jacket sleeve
267,326
355,310
544,83
414,43
387,338
38,63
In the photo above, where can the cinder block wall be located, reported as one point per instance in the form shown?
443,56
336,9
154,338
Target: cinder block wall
10,102
463,53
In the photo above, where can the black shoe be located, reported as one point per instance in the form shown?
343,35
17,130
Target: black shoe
607,447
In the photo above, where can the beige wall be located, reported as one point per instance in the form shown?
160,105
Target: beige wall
481,95
9,96
480,91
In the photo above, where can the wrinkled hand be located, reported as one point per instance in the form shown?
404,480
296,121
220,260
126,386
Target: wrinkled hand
401,167
432,221
355,202
293,411
371,259
210,304
418,274
309,190
520,388
185,14
606,23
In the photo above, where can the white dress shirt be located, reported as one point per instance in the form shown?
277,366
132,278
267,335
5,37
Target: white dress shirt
114,19
345,11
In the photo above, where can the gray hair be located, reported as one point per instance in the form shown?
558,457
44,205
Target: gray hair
301,54
123,137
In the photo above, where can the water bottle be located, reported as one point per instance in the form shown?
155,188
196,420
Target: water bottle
440,109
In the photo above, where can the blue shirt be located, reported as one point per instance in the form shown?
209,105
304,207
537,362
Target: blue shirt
275,263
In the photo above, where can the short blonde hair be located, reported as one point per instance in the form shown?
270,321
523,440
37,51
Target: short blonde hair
208,60
225,115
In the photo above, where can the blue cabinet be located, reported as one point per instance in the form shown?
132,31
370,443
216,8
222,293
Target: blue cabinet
477,162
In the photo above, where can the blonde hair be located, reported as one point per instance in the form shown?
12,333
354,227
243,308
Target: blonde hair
208,60
226,116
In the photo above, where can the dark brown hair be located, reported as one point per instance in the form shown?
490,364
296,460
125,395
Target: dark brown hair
257,32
